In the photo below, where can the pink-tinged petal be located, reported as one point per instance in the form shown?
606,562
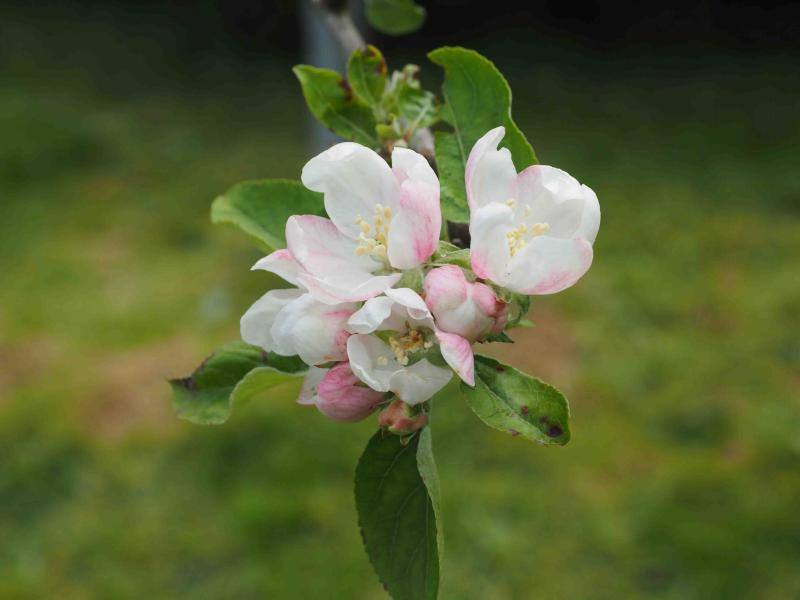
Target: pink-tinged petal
548,265
445,287
490,306
407,164
342,397
256,323
590,220
417,383
346,286
470,310
321,249
549,195
308,393
489,251
282,263
312,330
457,352
372,361
353,179
489,172
415,225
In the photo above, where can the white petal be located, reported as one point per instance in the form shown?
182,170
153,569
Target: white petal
312,330
353,179
590,220
418,382
489,251
489,172
414,306
548,265
347,286
282,263
256,323
457,351
416,224
371,316
407,164
321,249
372,361
308,393
551,196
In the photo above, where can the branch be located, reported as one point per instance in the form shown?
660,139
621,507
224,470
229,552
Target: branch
340,24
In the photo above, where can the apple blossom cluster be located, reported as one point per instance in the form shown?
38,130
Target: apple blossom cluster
379,319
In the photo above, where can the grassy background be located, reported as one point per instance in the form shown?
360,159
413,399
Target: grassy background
679,351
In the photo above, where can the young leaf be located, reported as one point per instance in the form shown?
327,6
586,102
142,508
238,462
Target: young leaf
397,501
477,99
417,106
234,373
366,73
516,403
395,17
333,103
260,208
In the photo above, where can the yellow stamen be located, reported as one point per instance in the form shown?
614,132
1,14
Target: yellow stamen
372,239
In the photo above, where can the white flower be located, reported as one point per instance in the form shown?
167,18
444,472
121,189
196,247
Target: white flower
392,365
382,220
292,322
532,232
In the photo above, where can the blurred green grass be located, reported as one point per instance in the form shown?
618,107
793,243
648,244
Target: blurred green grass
679,351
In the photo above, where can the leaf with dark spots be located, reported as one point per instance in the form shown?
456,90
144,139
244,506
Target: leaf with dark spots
334,104
366,73
234,373
511,401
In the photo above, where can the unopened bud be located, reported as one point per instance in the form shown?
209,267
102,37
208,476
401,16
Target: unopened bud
471,310
399,418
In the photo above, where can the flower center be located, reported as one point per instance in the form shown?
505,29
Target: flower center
372,239
523,233
404,344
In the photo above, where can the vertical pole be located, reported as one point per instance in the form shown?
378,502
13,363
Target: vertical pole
321,49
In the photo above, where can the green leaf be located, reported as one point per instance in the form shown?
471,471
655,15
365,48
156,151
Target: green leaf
477,99
234,373
395,17
516,403
430,477
397,515
458,257
331,100
452,193
366,73
260,208
500,338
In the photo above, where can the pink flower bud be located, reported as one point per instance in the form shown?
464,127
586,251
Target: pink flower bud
342,397
470,310
399,419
